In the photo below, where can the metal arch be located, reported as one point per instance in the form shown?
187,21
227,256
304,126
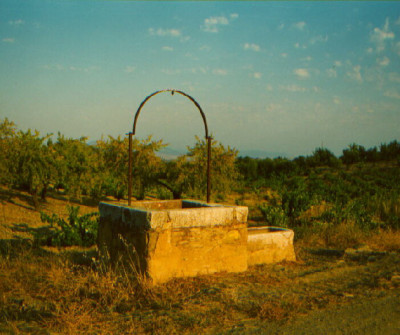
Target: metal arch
208,138
172,92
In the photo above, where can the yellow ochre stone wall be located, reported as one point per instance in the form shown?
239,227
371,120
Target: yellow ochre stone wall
183,238
175,239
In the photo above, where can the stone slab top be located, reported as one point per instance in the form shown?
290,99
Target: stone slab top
165,214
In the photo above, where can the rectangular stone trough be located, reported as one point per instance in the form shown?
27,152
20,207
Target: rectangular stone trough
269,245
183,238
174,238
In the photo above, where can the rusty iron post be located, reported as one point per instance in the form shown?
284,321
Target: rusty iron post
130,170
172,91
208,168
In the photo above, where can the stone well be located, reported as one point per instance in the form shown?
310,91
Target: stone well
174,238
183,238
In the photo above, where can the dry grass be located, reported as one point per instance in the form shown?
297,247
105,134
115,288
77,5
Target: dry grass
69,291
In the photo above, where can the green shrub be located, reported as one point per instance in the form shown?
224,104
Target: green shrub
274,215
78,230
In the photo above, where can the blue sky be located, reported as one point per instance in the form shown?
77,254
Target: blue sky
283,77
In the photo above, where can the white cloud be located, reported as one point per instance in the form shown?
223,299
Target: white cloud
299,25
251,46
284,55
319,38
72,68
8,40
336,101
337,63
205,48
220,72
392,94
213,23
165,32
299,46
16,22
355,73
331,73
302,73
257,75
167,48
270,88
130,69
394,77
383,61
379,36
171,72
293,88
397,21
397,48
274,108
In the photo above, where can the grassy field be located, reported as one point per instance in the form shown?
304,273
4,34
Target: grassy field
342,274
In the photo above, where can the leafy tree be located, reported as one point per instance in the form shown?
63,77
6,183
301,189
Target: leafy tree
31,164
7,140
324,157
78,166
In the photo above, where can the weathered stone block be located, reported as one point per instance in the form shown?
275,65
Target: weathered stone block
269,245
177,238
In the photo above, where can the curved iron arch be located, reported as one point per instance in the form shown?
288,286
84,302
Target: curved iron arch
208,138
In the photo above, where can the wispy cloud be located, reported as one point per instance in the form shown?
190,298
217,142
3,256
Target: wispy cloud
167,48
16,22
379,36
302,73
299,25
300,46
213,23
8,40
383,61
337,63
251,46
336,101
392,94
257,75
171,72
355,73
394,77
130,69
332,73
220,72
397,48
71,68
319,39
165,32
293,88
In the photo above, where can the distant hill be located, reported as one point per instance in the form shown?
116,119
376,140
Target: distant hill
260,154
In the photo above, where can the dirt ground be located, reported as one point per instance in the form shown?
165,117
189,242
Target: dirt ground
327,291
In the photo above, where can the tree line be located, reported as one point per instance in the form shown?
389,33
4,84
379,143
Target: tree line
252,169
38,164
